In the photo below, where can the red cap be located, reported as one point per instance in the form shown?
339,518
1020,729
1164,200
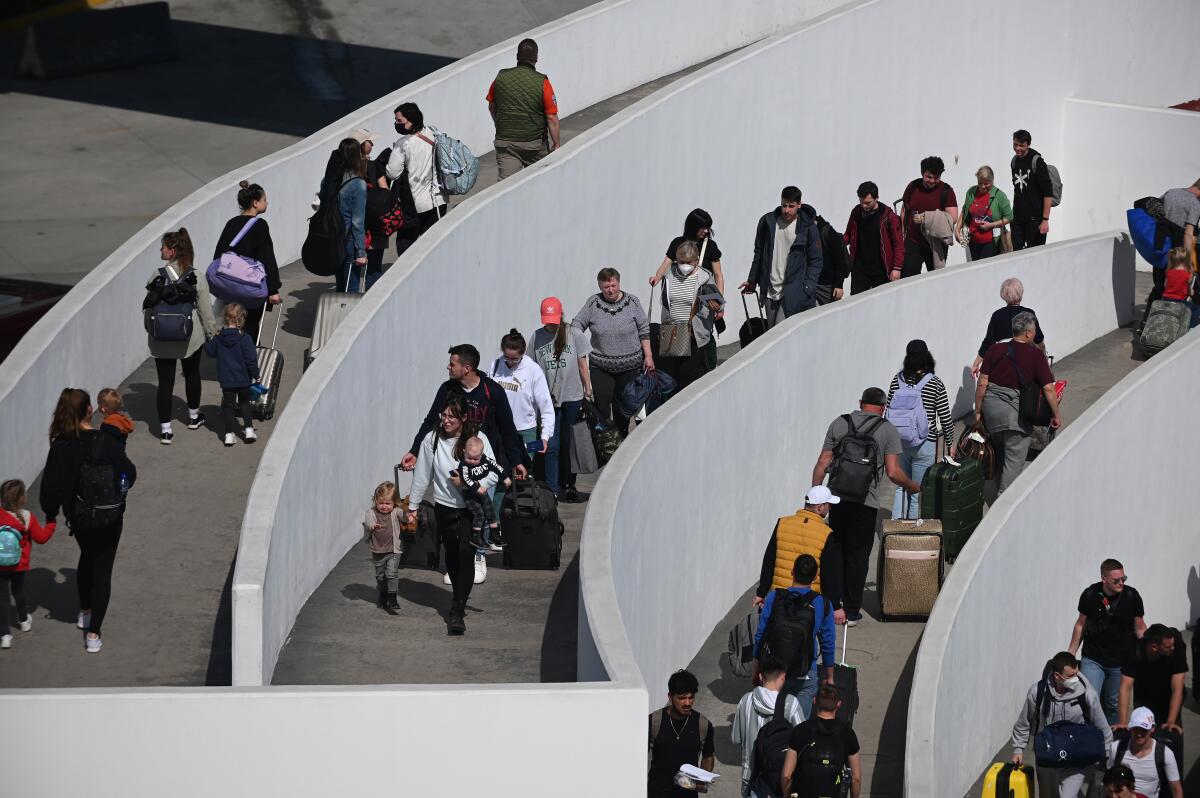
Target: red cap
551,310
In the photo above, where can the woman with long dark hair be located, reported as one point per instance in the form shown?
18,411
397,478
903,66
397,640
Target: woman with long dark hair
916,401
435,475
562,353
352,204
256,244
72,441
176,278
698,229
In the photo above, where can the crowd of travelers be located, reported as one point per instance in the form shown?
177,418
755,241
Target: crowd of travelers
493,424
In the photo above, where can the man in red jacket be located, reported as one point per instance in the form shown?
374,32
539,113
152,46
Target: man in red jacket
876,241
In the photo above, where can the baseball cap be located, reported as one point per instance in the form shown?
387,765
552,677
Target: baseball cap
361,135
551,310
1141,718
819,494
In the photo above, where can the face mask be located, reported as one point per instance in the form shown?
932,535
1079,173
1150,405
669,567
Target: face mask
1072,683
686,268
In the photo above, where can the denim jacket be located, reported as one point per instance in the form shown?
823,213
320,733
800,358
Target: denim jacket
352,202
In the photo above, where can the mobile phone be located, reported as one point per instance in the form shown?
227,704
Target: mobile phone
534,447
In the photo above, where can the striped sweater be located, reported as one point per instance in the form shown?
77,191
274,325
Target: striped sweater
937,408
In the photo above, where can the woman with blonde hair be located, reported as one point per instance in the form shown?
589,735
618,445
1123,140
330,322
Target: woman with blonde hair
178,285
985,215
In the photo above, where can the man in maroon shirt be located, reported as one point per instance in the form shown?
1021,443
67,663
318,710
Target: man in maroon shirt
927,193
1005,366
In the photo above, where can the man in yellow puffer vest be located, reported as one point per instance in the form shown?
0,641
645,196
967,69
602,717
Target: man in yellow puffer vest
802,533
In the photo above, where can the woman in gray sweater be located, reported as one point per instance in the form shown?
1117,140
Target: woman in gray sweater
620,343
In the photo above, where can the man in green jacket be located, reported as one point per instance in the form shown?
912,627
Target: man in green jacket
524,108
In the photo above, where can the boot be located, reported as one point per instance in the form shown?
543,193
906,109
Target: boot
455,623
392,604
381,601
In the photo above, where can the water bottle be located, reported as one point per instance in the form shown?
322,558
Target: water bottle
124,485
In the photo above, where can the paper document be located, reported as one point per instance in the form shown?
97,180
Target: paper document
697,774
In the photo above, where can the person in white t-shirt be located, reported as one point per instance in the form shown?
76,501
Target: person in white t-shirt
787,258
1140,754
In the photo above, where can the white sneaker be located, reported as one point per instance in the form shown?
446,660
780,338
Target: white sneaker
84,620
230,439
251,435
26,624
5,641
446,578
92,645
480,569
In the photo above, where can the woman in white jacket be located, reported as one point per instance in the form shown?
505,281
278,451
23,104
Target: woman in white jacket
436,471
528,394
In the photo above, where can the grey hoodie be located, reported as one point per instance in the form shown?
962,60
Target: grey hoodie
1063,706
753,712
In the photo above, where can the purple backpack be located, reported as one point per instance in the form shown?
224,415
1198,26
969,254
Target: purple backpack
234,278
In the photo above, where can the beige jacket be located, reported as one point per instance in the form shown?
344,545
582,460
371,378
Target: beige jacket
939,232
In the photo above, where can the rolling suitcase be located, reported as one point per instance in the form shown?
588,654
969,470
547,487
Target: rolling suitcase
910,567
270,371
953,494
1006,780
530,526
332,307
1166,323
753,326
845,679
422,549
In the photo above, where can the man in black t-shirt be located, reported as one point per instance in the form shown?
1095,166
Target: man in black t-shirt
821,750
1033,193
679,735
1109,625
1152,676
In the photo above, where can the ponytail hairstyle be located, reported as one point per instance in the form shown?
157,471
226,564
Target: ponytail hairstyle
514,340
560,338
352,159
73,408
11,492
181,242
248,194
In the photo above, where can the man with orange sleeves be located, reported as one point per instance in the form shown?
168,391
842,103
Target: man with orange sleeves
524,108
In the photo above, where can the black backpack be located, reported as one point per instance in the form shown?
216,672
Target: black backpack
770,750
856,462
325,245
98,499
821,764
790,629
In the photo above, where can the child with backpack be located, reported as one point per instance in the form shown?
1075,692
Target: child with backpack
237,370
116,421
1178,287
19,529
919,408
381,533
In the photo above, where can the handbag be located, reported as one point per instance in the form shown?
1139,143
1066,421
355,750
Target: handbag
235,278
1032,408
675,337
605,437
974,444
583,451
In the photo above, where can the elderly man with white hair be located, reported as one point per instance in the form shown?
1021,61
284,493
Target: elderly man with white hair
1012,291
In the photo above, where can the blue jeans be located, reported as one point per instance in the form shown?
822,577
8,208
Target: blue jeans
915,460
804,688
558,452
1107,684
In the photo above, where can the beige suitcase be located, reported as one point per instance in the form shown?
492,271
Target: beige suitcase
910,567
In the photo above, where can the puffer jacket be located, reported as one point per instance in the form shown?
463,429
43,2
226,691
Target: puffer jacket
802,533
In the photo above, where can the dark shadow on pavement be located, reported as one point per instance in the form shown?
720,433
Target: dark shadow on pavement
220,653
433,596
889,767
359,592
53,592
300,314
560,637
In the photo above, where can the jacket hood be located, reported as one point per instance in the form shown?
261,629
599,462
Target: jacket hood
523,365
763,701
1070,695
229,337
808,214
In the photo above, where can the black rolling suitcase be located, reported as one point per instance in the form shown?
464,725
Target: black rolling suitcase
530,526
270,371
422,549
753,326
845,679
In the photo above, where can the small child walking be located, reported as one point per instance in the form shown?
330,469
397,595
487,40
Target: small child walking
237,370
1178,282
382,535
475,470
116,422
19,530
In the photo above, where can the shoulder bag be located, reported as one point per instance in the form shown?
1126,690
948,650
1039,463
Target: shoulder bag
674,337
1033,408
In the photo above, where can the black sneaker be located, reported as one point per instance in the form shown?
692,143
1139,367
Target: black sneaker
571,496
475,539
165,438
197,422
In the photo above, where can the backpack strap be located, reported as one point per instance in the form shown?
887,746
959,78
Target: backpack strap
656,725
242,234
1160,764
1013,357
702,727
1122,749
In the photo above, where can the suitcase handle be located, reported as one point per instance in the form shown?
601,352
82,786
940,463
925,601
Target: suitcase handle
845,642
758,302
279,311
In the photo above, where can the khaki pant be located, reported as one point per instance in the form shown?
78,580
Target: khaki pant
513,156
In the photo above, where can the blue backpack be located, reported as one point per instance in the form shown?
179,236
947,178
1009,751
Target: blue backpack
907,413
10,545
457,166
1153,234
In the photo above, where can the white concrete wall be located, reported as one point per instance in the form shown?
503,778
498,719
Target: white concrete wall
1040,545
319,742
593,54
1120,153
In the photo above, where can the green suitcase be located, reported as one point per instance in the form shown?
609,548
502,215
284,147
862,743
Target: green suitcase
953,494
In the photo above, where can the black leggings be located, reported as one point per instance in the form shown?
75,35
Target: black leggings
166,382
97,551
413,229
452,525
15,579
233,401
607,388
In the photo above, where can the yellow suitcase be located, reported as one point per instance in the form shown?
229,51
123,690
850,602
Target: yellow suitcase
1006,780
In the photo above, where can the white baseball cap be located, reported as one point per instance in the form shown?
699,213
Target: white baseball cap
361,135
1141,718
819,494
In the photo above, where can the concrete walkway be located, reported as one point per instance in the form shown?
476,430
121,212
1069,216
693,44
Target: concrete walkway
885,653
169,621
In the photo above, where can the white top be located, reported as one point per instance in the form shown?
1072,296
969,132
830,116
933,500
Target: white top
412,153
785,236
435,461
1145,774
528,394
